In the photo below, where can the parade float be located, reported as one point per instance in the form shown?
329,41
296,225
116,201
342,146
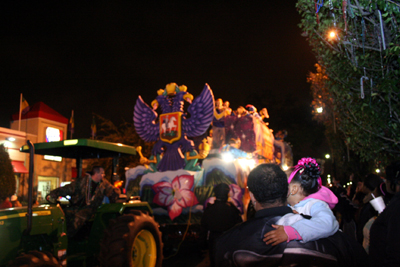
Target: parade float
197,147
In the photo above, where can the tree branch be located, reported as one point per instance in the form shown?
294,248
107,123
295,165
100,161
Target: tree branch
371,132
393,3
361,9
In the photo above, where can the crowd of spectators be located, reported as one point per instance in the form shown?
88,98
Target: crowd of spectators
376,230
367,236
8,202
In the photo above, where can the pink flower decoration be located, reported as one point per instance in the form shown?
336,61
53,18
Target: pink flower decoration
175,195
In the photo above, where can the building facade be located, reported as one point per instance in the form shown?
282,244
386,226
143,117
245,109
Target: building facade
40,124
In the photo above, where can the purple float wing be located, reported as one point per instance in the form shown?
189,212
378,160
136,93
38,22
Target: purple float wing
201,113
144,119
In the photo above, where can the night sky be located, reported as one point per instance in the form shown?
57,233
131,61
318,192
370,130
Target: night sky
98,56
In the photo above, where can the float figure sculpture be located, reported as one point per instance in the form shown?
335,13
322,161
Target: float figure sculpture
173,150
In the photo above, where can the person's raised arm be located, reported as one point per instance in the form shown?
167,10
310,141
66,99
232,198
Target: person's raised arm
64,191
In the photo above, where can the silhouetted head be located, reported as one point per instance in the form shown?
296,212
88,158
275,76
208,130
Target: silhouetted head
221,192
268,184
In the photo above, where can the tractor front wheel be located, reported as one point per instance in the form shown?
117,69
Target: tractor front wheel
132,240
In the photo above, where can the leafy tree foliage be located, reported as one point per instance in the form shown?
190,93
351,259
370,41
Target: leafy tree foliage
346,162
357,79
7,179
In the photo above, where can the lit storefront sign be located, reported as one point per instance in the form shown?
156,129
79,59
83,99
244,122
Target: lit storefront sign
53,135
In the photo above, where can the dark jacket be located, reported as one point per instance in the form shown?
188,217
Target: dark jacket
86,197
243,246
217,218
79,192
384,249
220,216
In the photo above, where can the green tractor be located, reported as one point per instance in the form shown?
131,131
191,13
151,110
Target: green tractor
120,234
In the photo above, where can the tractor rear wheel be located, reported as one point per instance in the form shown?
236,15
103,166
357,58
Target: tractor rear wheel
132,240
35,259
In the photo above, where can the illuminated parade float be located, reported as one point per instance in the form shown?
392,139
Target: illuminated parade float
196,148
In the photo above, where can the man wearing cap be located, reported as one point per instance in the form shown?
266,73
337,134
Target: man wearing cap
218,217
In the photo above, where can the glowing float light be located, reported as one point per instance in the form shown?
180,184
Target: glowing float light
243,162
320,109
246,163
227,157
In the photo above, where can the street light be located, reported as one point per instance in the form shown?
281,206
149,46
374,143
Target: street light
332,34
320,109
327,156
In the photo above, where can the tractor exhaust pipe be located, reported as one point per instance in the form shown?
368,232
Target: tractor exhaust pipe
30,187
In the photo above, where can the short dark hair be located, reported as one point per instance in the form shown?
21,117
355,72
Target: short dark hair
372,181
221,191
96,169
268,183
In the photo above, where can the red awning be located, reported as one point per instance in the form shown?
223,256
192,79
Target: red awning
19,166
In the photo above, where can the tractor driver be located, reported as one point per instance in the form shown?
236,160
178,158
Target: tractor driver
86,195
